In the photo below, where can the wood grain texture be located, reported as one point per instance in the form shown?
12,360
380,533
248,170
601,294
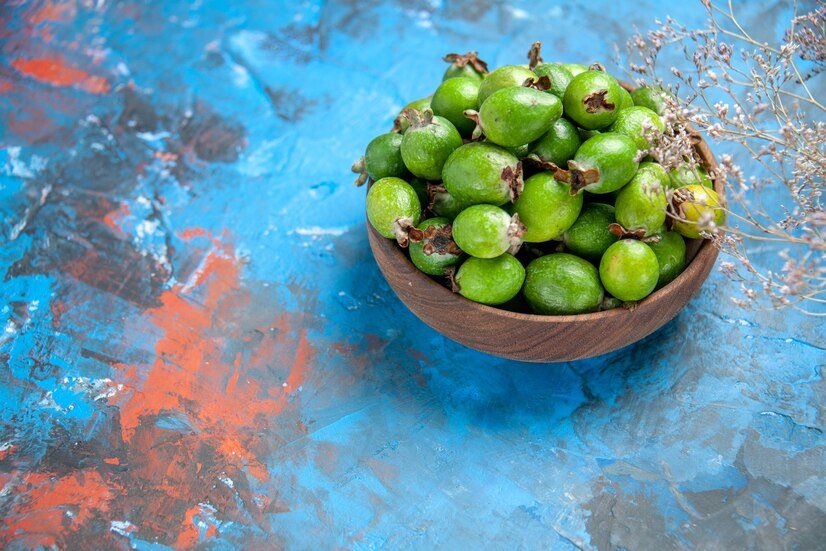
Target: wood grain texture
536,338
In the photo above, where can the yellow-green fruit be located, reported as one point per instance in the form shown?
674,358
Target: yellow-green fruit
696,209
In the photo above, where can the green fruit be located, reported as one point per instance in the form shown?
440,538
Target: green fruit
575,68
696,209
390,200
520,151
629,270
685,175
465,66
559,76
657,170
546,207
445,204
559,144
486,231
641,124
589,236
401,123
561,284
592,100
504,77
641,205
603,163
670,251
518,115
482,172
436,251
626,100
428,143
452,98
420,187
383,157
650,97
490,281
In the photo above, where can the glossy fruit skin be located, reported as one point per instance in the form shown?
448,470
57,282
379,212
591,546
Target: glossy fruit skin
657,170
641,204
547,208
626,100
670,251
629,270
684,175
465,71
420,187
452,98
559,144
561,283
490,280
435,263
575,68
586,86
559,76
473,173
700,206
652,98
383,157
613,155
418,105
425,149
631,122
589,236
482,231
504,77
520,151
391,199
514,116
446,205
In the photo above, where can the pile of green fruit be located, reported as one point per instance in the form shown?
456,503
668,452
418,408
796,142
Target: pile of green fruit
534,178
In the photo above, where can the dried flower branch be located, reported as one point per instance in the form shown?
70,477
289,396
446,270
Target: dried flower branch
755,100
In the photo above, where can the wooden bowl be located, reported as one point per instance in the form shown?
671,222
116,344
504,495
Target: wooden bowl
535,338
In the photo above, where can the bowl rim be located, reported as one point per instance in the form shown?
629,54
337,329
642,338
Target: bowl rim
705,255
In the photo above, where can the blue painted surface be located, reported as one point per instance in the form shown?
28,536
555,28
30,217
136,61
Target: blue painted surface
199,349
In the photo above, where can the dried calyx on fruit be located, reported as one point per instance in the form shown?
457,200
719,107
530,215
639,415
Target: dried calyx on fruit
460,61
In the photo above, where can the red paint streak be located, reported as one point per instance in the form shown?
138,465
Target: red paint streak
42,517
4,453
191,233
51,11
113,218
207,372
112,460
57,73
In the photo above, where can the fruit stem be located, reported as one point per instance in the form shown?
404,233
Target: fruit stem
403,228
597,66
450,273
543,83
596,101
513,178
471,57
439,240
535,54
360,168
477,131
516,229
624,233
418,119
577,177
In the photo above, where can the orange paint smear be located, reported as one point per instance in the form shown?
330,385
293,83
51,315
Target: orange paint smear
51,11
57,73
113,218
191,374
42,515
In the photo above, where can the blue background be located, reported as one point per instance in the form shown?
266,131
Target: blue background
200,350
